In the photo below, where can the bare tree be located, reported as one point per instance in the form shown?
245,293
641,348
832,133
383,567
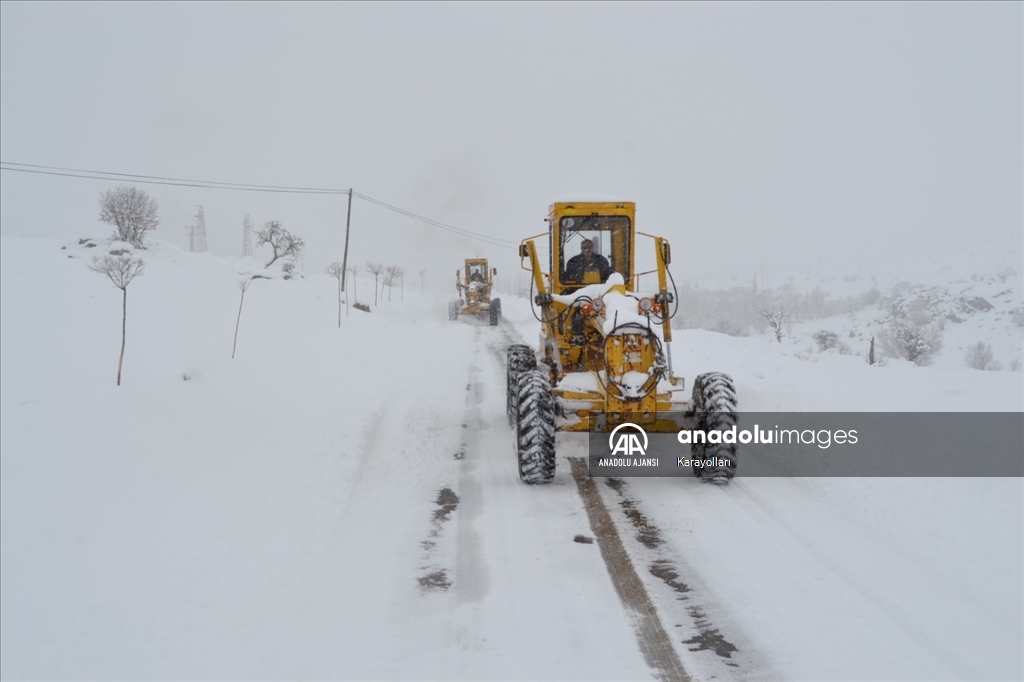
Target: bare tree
376,269
283,242
335,270
775,318
391,273
131,211
120,270
354,270
243,285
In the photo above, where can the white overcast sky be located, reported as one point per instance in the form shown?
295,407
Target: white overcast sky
781,133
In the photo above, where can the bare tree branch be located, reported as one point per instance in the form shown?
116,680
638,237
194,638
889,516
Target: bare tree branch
775,318
120,270
242,285
335,269
283,242
376,269
131,211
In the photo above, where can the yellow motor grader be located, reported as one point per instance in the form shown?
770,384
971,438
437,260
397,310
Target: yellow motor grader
474,283
604,357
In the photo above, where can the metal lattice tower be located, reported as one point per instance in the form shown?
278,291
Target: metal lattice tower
200,232
246,236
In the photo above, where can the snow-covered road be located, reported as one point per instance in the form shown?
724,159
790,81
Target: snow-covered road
345,504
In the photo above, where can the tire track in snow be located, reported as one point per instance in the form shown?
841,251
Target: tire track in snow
472,580
683,602
652,639
654,642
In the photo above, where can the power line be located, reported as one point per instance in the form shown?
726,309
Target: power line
246,187
158,180
430,221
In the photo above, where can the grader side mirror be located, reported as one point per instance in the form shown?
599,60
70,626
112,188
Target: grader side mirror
666,252
494,272
523,251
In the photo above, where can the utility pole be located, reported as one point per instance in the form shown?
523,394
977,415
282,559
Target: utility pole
348,222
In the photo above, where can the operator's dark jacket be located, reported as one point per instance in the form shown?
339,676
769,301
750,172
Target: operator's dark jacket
578,265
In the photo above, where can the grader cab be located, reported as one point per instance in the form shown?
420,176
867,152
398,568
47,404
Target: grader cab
474,282
605,355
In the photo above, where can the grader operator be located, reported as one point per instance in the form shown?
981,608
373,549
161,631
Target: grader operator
605,355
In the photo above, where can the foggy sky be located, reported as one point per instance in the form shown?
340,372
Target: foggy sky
778,135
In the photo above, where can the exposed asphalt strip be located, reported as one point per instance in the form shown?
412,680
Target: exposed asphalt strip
654,642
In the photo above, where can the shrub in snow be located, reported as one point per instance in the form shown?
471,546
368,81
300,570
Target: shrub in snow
826,339
1017,315
905,339
871,296
729,327
980,356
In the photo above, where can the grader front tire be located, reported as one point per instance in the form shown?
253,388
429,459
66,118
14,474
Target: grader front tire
520,359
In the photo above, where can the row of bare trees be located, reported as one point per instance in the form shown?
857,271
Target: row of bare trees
134,213
392,275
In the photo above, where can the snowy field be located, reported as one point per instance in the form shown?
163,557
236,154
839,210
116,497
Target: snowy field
343,503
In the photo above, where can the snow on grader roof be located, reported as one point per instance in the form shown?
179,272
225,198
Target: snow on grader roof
590,198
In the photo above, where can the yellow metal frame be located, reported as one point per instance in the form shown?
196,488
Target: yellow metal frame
571,346
476,304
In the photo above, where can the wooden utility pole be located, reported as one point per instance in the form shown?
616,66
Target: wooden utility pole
348,222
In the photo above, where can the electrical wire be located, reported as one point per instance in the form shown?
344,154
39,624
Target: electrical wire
504,243
246,187
158,180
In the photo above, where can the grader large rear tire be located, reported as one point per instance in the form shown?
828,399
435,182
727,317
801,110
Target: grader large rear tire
520,359
714,401
535,428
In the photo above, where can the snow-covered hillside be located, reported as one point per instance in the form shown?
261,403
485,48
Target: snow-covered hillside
846,311
343,502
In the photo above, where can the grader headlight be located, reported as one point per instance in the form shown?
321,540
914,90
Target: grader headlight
598,305
646,305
